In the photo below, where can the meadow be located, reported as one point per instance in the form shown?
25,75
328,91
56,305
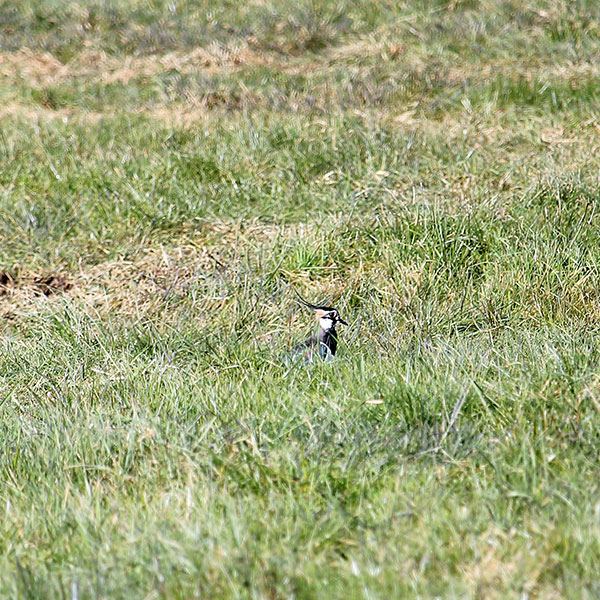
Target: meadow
170,171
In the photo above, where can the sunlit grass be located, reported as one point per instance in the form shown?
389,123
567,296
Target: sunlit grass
170,171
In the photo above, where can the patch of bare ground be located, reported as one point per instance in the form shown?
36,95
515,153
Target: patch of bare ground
51,284
20,289
48,284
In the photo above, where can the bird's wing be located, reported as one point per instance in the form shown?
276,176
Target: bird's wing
305,350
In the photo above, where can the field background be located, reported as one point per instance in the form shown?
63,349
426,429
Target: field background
170,170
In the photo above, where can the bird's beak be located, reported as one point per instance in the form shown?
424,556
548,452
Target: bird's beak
342,322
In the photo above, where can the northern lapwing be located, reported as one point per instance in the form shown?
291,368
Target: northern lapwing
324,343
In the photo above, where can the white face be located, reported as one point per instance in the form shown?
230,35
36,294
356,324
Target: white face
326,323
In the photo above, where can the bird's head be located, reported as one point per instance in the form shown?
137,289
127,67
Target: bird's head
328,317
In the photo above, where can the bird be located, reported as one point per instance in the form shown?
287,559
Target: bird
324,343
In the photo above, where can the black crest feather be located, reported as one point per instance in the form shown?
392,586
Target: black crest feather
309,305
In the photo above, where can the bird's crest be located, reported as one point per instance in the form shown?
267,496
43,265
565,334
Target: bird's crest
321,311
312,306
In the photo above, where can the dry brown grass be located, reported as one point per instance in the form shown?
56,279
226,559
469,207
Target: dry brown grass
42,68
205,267
493,571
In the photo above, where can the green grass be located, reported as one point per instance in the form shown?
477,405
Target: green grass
429,168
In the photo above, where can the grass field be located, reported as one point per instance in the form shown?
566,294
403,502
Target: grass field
170,171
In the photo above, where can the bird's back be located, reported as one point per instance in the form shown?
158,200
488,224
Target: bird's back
323,346
307,350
